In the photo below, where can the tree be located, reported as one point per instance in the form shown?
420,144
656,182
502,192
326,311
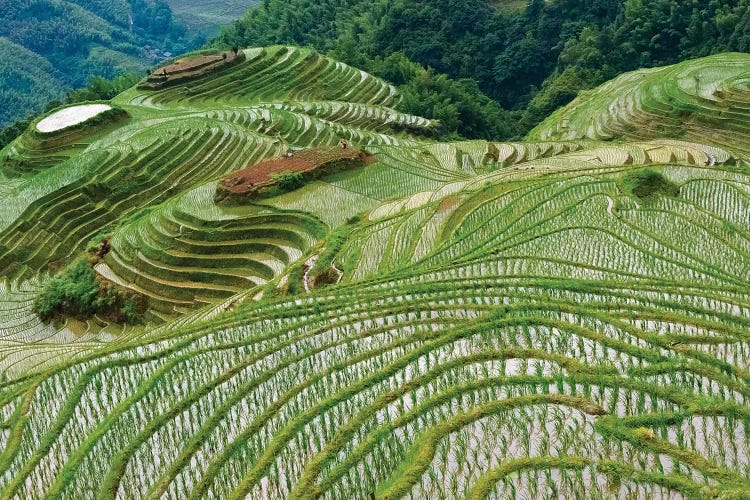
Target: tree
74,292
288,180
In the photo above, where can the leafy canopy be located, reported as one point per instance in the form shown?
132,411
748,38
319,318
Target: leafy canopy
647,183
288,181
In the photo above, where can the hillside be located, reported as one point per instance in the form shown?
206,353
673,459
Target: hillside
542,318
207,17
49,47
30,81
529,57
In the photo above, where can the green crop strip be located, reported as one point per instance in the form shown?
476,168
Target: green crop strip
424,449
616,471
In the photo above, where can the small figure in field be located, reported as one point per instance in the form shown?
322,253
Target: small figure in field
344,144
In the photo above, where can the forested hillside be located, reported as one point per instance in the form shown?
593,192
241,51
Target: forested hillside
50,46
529,60
208,16
29,81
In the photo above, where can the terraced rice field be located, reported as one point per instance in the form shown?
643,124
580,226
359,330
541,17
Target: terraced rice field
70,116
456,320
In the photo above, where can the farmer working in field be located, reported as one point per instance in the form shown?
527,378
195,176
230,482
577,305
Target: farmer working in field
343,144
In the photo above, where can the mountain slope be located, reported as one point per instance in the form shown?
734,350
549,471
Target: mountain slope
206,18
72,40
562,315
530,60
30,81
700,100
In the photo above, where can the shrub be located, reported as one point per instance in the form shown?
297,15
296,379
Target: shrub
644,433
326,277
288,181
74,291
132,310
77,291
647,183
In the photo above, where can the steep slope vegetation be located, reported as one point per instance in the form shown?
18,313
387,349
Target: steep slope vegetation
464,319
146,177
699,100
30,81
49,47
530,60
207,17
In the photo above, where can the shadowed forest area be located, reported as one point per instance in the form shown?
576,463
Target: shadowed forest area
496,69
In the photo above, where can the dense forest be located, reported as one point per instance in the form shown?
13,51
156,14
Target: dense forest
492,69
49,46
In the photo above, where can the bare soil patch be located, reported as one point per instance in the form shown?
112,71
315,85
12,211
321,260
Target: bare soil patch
312,163
190,68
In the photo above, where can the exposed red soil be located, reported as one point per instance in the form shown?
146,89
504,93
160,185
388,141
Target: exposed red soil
448,203
258,176
191,67
194,63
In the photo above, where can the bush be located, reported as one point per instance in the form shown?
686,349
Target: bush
77,291
288,181
324,278
74,291
644,434
132,310
647,183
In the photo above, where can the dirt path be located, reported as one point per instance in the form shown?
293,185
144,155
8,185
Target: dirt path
309,263
338,271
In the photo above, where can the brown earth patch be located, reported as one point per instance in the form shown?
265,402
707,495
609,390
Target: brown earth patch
190,68
311,163
448,203
326,277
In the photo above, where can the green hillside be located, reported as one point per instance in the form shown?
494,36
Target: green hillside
559,317
702,100
51,46
30,81
206,17
529,57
